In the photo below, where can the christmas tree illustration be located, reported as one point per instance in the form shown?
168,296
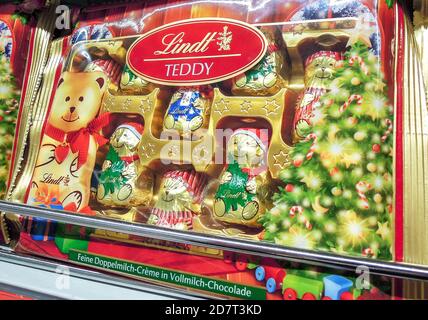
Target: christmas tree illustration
339,188
9,99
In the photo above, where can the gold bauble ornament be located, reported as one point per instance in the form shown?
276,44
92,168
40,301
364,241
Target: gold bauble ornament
336,191
347,194
371,167
355,81
370,86
359,136
352,121
377,198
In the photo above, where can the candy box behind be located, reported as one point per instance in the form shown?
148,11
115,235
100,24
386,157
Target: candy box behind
14,38
268,121
15,48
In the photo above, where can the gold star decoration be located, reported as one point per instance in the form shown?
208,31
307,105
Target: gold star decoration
173,151
271,107
126,104
298,29
246,106
353,231
312,181
379,85
201,154
111,46
147,150
281,159
300,238
376,106
350,159
109,102
145,105
383,230
222,106
361,32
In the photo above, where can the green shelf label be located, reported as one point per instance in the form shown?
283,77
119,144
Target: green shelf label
189,280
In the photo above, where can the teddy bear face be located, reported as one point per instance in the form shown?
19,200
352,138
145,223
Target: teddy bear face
124,141
77,100
246,150
173,188
173,195
320,71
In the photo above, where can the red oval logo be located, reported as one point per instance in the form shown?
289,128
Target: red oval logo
196,51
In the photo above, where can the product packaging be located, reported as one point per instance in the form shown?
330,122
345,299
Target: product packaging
289,122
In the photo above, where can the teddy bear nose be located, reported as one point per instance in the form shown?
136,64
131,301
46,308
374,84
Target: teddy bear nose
72,109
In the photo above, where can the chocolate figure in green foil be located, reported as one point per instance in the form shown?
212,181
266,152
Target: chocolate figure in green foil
234,192
111,178
132,83
261,70
236,199
120,168
263,73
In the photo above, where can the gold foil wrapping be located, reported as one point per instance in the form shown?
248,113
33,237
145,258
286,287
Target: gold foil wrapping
319,73
188,110
122,182
415,150
243,192
130,83
178,199
420,20
269,75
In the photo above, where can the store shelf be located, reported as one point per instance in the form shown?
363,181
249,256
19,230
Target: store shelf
44,279
396,270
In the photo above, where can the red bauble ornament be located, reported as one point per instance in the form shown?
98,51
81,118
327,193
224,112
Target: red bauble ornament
298,162
289,187
376,148
368,252
334,171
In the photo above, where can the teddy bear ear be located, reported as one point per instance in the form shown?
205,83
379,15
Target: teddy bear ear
101,82
64,76
61,80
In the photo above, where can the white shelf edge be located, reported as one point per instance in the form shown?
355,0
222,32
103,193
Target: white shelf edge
44,279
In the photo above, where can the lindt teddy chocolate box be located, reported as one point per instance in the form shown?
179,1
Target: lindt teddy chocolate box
273,121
